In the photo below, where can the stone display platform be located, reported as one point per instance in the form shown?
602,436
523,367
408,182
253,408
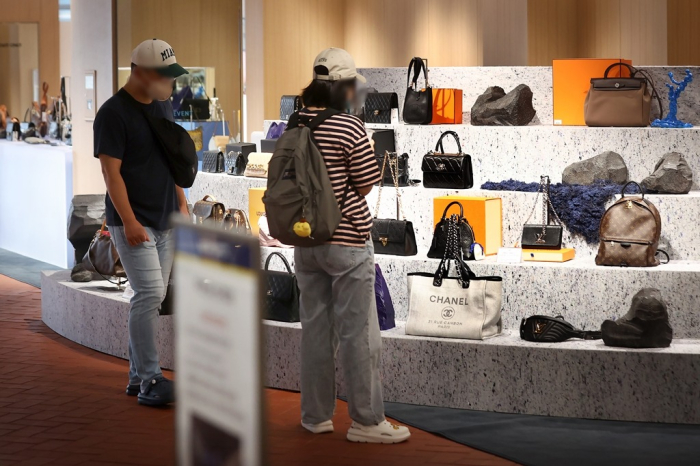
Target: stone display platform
504,374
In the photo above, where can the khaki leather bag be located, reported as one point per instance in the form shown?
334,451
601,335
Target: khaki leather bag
619,101
629,232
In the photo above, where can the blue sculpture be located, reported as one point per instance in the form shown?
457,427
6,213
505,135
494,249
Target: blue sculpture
671,120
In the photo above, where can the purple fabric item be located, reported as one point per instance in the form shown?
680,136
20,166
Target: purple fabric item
276,130
385,308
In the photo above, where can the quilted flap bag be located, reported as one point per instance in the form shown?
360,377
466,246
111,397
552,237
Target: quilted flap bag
213,161
208,210
378,107
257,165
289,104
450,171
282,292
235,163
393,236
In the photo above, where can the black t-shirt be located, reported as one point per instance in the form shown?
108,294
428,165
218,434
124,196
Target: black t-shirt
122,131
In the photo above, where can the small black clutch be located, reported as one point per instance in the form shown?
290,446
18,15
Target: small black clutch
534,238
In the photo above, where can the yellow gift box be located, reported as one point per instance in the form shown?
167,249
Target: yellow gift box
256,208
549,255
484,214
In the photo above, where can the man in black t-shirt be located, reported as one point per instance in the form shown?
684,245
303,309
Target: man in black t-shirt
141,196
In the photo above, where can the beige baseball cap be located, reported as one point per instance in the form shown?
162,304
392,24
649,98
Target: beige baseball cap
339,63
158,55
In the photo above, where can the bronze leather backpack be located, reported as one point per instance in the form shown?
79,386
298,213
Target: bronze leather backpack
629,232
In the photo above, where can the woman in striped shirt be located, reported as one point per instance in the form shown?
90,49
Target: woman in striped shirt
336,280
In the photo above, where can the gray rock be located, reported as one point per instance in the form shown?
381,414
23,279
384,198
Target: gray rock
496,108
672,175
644,326
80,274
608,166
85,217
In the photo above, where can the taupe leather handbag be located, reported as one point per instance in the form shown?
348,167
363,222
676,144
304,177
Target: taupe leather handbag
620,101
102,257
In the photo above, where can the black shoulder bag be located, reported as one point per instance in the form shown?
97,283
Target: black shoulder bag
418,104
465,235
545,329
548,234
281,293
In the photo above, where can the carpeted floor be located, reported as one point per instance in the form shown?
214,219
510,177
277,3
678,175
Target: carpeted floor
22,268
547,441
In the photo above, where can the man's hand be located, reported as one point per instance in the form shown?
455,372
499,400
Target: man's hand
135,233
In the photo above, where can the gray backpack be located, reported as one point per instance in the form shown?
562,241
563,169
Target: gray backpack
298,186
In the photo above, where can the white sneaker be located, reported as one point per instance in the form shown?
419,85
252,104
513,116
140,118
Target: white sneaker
385,432
322,428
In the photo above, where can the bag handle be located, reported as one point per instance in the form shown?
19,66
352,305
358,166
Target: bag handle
210,198
284,259
453,253
631,69
393,158
461,209
624,188
418,64
438,146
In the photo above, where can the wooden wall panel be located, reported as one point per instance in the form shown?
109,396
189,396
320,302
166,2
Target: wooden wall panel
598,29
44,12
644,31
684,34
294,32
385,33
502,28
552,30
202,33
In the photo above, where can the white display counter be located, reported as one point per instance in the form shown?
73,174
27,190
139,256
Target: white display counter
36,188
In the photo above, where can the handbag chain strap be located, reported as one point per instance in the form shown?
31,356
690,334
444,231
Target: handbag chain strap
394,169
452,249
547,206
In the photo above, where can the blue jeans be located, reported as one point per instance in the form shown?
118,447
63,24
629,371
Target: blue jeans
147,267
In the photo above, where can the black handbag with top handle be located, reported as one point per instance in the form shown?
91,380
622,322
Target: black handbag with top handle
392,236
547,234
281,292
450,171
441,233
418,104
378,106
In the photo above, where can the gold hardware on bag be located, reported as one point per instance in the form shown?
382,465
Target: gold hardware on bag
269,292
629,205
539,327
440,167
384,240
376,112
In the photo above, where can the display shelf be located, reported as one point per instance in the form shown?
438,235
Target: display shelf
584,293
502,374
679,213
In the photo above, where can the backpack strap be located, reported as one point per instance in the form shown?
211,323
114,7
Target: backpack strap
296,120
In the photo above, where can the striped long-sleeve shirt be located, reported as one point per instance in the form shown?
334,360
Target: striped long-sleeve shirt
350,160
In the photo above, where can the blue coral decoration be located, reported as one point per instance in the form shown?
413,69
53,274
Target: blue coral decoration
671,120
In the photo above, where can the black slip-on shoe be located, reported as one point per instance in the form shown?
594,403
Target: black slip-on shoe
159,392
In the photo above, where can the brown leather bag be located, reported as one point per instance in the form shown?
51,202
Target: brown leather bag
629,232
102,257
208,210
619,101
236,221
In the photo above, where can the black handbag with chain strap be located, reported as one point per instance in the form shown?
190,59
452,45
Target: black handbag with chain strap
393,236
545,235
466,235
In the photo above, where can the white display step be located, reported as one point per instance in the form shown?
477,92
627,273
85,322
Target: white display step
584,293
679,213
503,374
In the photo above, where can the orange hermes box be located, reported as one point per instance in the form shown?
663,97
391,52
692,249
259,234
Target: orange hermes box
484,214
549,255
571,80
447,106
256,208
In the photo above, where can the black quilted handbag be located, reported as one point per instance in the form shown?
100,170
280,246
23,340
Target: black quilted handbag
281,293
450,171
392,236
213,161
401,169
235,163
440,234
545,329
288,105
378,107
418,104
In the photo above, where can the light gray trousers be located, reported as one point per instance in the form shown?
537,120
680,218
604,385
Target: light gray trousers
338,310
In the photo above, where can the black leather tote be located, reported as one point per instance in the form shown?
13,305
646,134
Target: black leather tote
378,106
392,235
545,329
282,293
440,235
451,171
418,104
